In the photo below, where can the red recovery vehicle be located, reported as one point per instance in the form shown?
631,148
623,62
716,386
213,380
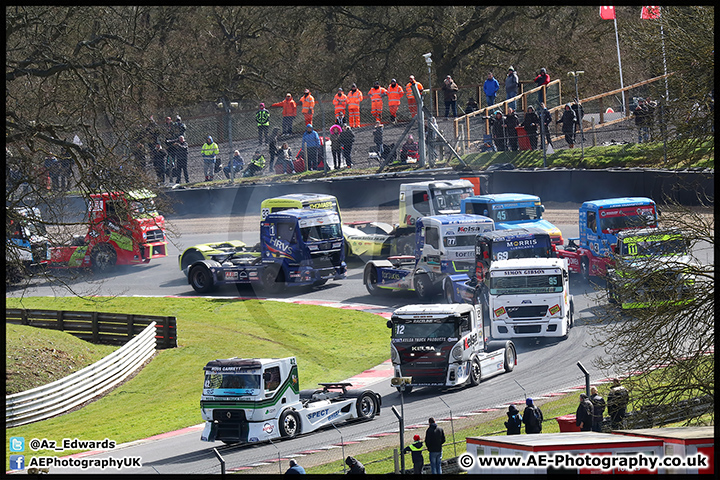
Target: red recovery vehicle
124,229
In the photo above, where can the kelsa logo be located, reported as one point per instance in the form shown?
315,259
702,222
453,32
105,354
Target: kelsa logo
469,229
500,311
554,309
268,428
470,340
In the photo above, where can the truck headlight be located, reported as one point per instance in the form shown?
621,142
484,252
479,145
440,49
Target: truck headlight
457,352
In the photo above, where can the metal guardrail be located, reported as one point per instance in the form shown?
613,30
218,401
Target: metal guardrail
97,327
62,395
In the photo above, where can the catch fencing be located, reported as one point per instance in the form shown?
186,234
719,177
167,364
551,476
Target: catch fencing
72,391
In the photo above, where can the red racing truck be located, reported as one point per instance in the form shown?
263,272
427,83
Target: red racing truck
124,229
599,223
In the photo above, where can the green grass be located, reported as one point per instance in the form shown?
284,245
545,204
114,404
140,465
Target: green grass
36,357
330,345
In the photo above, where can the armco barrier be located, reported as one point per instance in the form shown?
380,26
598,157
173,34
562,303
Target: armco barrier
554,185
551,185
64,394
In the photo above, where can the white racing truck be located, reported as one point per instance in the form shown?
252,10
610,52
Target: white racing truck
445,346
528,297
250,400
444,245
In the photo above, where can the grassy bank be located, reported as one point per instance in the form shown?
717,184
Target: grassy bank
164,395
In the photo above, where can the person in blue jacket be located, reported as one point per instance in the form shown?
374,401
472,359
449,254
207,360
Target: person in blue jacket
491,87
311,147
294,468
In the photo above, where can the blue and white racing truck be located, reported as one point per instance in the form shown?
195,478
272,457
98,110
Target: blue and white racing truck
512,210
444,245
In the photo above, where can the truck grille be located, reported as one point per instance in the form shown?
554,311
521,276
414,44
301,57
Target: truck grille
527,311
527,329
229,415
326,260
155,235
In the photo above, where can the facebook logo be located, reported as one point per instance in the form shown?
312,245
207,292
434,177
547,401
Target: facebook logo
17,444
17,462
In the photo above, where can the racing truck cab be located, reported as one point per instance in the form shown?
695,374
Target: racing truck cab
26,245
250,400
298,247
124,229
445,346
599,223
444,245
490,247
650,267
512,210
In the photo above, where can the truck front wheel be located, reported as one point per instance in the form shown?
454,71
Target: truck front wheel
510,356
585,268
201,279
103,257
475,372
448,292
371,280
289,424
424,287
271,280
366,406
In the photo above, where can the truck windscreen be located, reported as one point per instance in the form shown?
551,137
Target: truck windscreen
659,247
426,330
526,284
501,212
450,199
318,233
231,384
536,247
459,241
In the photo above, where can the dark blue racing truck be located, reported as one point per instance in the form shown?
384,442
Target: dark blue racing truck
298,247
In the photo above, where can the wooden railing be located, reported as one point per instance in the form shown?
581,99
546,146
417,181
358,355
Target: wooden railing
98,327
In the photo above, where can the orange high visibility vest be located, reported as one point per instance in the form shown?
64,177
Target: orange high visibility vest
376,94
409,91
308,103
340,100
354,98
395,94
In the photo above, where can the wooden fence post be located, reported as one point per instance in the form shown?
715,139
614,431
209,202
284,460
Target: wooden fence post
130,325
95,327
61,320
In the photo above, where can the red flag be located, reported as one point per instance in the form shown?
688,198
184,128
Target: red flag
607,13
649,13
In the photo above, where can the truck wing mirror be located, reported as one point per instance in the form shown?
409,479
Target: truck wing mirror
266,377
389,324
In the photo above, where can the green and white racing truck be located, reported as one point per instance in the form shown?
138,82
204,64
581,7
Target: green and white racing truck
250,400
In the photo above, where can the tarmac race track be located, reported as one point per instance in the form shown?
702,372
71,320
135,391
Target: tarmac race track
543,367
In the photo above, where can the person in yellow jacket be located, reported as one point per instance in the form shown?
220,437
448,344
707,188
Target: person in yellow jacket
394,93
354,97
340,101
412,104
209,152
308,106
376,95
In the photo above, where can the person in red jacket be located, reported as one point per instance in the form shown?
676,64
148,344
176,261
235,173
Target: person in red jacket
542,79
289,112
354,97
412,104
376,95
394,93
308,106
340,101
